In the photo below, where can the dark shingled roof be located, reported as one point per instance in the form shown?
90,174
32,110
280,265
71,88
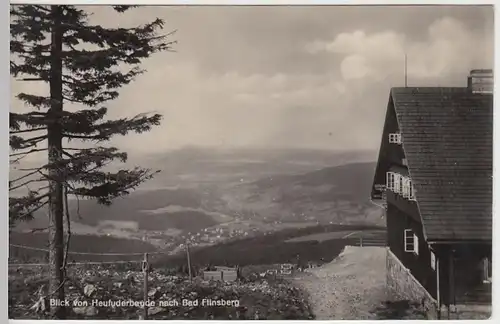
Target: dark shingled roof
447,136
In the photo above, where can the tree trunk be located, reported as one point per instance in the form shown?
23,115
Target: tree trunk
56,209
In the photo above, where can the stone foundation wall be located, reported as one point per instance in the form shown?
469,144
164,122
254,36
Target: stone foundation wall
471,312
401,285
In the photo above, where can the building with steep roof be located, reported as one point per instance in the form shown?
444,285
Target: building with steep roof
434,179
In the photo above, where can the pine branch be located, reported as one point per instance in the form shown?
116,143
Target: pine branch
85,137
22,208
29,120
39,229
68,154
94,88
80,163
119,184
25,183
29,152
32,169
22,155
105,130
74,148
19,69
121,9
42,8
19,143
36,170
28,130
81,122
22,49
28,215
35,101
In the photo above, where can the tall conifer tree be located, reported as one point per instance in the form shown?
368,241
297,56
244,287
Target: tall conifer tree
85,65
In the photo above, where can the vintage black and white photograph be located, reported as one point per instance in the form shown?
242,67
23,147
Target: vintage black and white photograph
191,162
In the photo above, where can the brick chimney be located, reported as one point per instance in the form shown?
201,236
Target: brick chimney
480,81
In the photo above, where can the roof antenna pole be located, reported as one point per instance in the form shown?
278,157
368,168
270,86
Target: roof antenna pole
406,71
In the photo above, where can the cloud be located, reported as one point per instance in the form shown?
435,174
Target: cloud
230,108
355,67
448,47
288,76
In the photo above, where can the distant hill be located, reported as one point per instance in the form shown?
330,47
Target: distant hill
198,185
351,182
337,194
193,154
141,207
215,165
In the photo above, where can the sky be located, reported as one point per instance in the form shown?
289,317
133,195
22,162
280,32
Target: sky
290,77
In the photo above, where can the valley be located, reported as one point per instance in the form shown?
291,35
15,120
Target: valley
210,197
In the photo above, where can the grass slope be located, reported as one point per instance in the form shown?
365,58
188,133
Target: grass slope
336,194
350,182
270,249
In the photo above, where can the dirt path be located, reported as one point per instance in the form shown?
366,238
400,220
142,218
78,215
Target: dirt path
348,288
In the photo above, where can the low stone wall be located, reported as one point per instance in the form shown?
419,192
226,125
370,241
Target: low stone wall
401,285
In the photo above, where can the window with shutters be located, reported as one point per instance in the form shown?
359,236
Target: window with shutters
415,244
390,180
398,183
487,269
406,187
410,241
411,189
433,261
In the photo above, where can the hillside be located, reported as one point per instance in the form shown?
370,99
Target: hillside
350,182
216,196
337,194
146,208
273,299
278,247
214,166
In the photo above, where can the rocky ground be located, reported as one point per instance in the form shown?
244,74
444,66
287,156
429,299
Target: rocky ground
259,299
351,287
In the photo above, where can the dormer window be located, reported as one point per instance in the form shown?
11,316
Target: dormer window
395,138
